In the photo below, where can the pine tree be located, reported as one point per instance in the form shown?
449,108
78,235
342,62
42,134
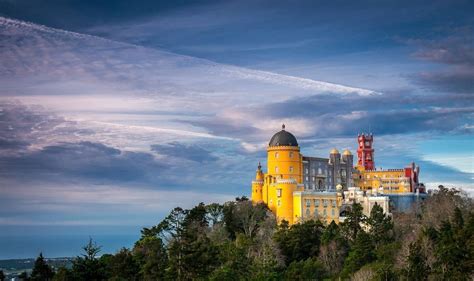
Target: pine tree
300,241
41,271
417,269
152,257
87,266
352,224
380,226
121,266
361,253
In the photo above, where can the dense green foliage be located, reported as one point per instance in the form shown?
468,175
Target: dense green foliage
41,271
242,241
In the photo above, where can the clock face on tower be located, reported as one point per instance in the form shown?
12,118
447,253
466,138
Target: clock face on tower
367,143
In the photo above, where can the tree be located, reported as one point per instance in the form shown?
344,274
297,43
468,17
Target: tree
243,217
300,241
24,276
310,269
361,253
199,256
417,269
352,224
87,266
380,226
215,213
2,276
41,270
152,258
121,266
63,274
333,249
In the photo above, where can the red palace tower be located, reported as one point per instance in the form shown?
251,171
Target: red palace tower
365,152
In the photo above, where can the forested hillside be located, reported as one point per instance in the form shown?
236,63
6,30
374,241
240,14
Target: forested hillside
241,241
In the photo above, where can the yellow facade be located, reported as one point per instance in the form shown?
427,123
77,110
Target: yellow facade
284,176
285,162
322,206
391,181
282,189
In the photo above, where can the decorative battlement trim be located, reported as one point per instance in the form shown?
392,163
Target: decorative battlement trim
287,181
316,193
257,182
279,147
385,170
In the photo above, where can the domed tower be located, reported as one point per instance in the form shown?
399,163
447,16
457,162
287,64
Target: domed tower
257,185
348,159
284,174
335,166
284,158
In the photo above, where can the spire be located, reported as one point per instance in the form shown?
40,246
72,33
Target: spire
283,127
259,167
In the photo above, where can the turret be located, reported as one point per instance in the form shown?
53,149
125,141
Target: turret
285,166
335,160
257,185
348,158
284,158
365,152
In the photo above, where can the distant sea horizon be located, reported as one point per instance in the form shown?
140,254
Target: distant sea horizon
57,242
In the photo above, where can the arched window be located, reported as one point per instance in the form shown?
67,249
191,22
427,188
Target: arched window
320,184
276,169
291,154
276,154
320,172
291,169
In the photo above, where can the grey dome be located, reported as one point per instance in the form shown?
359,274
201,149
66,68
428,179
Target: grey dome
283,138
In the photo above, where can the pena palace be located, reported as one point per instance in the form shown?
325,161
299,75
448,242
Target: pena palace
296,187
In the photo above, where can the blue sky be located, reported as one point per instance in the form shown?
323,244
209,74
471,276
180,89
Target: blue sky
113,112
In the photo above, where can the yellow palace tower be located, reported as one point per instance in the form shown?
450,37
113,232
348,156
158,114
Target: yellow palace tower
284,176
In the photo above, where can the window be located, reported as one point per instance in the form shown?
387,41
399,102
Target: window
332,213
316,202
333,202
279,202
291,169
320,171
276,154
306,170
325,203
291,154
314,186
308,212
279,192
324,212
307,178
315,212
276,169
314,171
308,203
320,184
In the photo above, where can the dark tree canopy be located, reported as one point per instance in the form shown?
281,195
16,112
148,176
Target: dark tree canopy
240,240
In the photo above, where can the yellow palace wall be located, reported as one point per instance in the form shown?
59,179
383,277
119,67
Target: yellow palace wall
392,181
